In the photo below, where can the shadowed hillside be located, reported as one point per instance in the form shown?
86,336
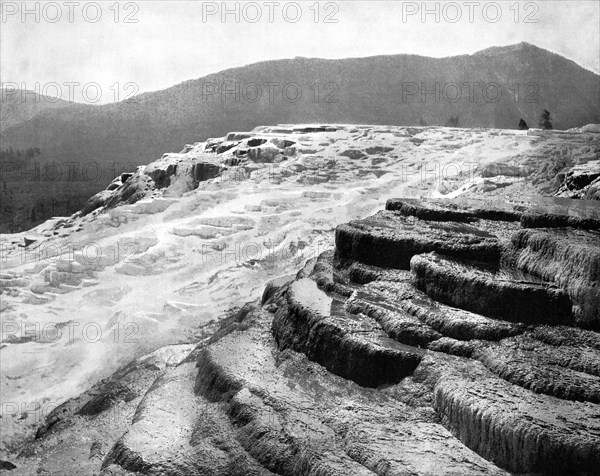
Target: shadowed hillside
20,105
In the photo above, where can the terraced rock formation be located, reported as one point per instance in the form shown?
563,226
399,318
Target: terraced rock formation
363,363
519,399
439,337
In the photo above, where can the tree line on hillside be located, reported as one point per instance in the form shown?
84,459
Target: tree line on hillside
11,155
21,211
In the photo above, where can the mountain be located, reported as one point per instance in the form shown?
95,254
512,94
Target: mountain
21,105
374,90
367,90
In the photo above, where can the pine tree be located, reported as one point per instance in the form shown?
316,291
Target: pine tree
545,120
523,125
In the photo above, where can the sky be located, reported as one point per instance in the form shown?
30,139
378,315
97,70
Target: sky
104,51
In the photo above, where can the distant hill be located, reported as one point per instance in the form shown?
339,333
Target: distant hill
20,106
367,90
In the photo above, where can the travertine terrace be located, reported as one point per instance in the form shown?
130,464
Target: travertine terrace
373,335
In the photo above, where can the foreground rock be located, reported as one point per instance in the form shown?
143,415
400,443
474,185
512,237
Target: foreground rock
434,363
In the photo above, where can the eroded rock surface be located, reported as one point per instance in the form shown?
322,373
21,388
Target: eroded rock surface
474,288
570,258
468,346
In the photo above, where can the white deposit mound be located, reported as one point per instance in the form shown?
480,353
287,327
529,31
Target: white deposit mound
595,128
163,254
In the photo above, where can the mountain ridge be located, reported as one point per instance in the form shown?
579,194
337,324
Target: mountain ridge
497,50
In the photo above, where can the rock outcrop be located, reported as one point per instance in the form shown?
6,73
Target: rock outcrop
497,379
582,181
236,154
474,288
570,258
390,239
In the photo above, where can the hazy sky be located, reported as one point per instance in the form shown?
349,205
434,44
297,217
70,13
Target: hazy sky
173,41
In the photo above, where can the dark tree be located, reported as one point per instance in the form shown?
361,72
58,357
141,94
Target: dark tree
452,122
523,125
545,120
422,122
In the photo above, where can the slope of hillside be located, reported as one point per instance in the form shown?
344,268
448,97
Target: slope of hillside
17,106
